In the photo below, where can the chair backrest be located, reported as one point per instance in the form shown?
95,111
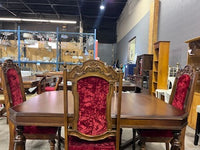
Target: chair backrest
12,84
41,85
183,88
92,88
58,81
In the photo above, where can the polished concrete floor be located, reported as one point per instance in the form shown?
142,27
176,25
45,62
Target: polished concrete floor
127,133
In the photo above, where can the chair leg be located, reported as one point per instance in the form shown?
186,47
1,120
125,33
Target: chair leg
134,139
59,138
52,144
167,146
120,138
197,130
12,136
182,139
142,144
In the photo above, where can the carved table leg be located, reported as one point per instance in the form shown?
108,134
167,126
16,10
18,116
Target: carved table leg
176,144
19,139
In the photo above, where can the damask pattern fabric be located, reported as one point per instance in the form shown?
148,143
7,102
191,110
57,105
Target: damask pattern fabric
14,83
92,105
181,91
92,114
40,130
78,144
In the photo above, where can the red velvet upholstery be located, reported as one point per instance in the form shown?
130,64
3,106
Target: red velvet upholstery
92,105
92,114
77,144
181,91
178,102
49,88
156,133
14,83
40,130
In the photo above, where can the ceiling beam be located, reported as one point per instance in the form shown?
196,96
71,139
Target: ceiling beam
27,7
52,6
8,10
42,4
79,11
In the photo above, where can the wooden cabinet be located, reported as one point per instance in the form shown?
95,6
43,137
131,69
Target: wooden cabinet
143,64
160,65
141,71
193,58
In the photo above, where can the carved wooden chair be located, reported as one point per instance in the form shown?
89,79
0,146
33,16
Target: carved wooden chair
14,95
56,87
181,98
2,101
92,89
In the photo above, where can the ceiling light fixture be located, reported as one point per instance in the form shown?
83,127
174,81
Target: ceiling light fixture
102,6
39,20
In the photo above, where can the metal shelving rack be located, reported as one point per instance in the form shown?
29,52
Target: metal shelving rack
58,33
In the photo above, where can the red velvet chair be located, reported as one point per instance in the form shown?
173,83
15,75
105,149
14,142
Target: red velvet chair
56,87
93,86
181,98
14,95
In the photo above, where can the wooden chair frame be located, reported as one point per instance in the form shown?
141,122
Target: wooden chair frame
93,68
189,70
8,64
41,85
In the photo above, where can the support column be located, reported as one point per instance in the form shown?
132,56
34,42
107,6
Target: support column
153,25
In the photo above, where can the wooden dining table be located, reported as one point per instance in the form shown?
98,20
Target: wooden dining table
138,111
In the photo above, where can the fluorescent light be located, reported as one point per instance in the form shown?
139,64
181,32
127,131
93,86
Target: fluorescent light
63,21
38,20
34,20
10,19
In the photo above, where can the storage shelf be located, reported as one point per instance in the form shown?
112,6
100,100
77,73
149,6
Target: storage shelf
160,64
57,51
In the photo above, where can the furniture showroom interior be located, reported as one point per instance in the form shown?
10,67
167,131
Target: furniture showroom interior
99,74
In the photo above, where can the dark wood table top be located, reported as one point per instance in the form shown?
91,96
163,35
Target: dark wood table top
139,111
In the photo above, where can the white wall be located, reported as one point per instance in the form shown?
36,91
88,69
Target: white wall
132,13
